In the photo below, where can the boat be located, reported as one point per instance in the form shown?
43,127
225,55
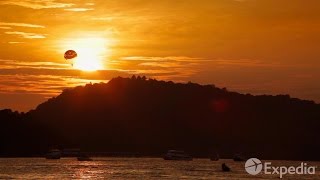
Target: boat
214,157
238,157
225,168
177,155
84,157
53,154
73,152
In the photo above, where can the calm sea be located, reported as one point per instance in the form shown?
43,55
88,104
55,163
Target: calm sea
133,168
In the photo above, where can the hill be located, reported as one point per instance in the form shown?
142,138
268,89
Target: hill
149,117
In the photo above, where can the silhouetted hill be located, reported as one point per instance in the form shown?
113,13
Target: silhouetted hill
149,117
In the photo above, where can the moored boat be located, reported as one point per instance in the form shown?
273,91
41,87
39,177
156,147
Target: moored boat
177,155
53,154
214,157
84,157
238,157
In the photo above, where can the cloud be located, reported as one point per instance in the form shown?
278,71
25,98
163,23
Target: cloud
89,4
169,58
27,35
39,84
13,64
20,25
182,68
46,78
37,4
167,61
16,42
244,63
50,78
165,68
3,27
79,9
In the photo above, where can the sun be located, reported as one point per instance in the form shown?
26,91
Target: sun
91,52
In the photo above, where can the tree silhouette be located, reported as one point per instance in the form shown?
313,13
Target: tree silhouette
147,116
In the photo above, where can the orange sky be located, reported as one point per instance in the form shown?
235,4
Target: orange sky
250,46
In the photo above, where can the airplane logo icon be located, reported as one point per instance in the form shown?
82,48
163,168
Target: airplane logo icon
253,166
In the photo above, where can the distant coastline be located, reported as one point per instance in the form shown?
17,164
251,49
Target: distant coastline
147,117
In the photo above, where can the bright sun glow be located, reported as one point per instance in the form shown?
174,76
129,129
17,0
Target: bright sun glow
91,52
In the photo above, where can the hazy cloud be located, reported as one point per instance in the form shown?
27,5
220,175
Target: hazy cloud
12,64
169,58
21,25
27,35
37,4
89,4
42,80
3,27
79,9
16,42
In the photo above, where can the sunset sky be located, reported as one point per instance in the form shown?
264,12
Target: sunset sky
249,46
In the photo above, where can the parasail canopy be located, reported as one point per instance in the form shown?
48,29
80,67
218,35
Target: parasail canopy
70,54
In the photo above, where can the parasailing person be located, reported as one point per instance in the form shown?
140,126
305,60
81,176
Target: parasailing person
70,55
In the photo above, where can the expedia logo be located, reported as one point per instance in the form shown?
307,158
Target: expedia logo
254,166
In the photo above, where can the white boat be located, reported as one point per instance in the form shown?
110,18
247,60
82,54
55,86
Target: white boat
177,155
53,154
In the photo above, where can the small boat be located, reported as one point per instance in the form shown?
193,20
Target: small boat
71,152
177,155
225,168
215,157
84,157
238,157
53,154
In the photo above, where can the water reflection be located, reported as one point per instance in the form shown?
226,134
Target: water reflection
130,168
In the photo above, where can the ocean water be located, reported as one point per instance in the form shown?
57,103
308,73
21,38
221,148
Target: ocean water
133,168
